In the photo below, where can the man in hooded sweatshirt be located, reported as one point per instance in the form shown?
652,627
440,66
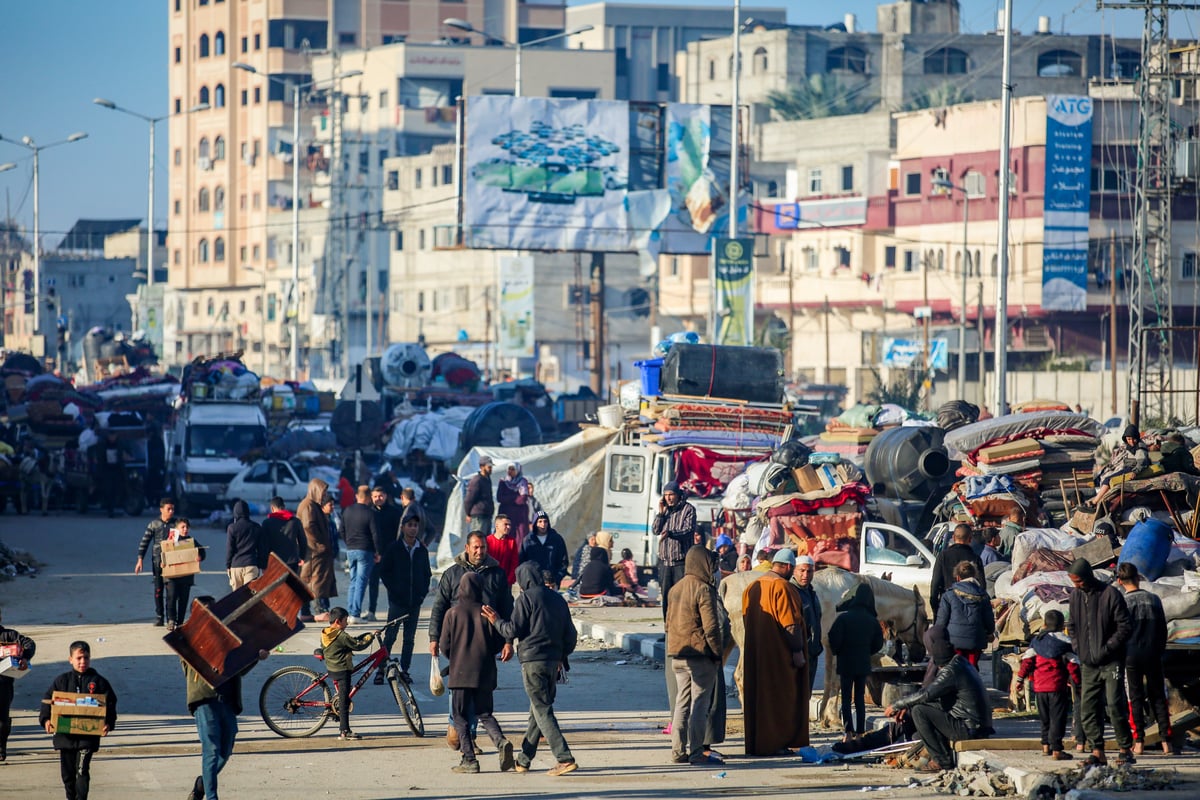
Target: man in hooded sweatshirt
853,638
677,532
966,613
1143,658
317,572
285,536
471,644
246,550
496,593
546,546
542,622
696,644
1100,628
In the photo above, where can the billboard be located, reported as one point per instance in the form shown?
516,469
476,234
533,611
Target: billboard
1067,202
907,353
516,307
594,175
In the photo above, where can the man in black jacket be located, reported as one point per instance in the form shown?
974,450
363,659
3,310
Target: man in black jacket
156,533
545,546
387,531
359,533
677,532
246,550
25,649
1143,658
956,687
542,621
405,571
285,535
943,566
1100,628
479,500
496,593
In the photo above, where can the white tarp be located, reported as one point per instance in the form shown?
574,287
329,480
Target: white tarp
568,480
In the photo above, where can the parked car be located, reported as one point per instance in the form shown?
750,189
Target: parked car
265,479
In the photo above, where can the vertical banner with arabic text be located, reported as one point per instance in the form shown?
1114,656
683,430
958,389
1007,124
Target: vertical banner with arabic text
733,271
516,307
1068,198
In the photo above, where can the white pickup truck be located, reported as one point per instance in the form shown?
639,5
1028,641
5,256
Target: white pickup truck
893,550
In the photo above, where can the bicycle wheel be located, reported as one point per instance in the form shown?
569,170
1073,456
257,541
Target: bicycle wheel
407,701
294,702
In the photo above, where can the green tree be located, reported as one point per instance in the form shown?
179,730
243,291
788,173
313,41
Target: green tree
903,390
819,97
944,94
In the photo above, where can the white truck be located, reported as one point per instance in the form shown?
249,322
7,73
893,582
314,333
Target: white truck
209,440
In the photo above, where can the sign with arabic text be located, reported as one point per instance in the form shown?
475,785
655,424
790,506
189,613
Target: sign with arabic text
1068,194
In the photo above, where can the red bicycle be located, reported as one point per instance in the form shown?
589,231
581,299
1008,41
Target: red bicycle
296,701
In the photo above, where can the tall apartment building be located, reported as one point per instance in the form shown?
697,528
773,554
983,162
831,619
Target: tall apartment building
229,199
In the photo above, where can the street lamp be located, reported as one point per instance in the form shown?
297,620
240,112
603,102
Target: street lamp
463,25
28,143
943,183
295,293
109,104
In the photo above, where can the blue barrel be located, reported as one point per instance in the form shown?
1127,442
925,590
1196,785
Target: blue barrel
1147,548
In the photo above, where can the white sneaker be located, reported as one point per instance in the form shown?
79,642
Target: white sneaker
355,620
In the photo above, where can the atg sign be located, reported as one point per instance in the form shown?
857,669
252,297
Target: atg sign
1068,197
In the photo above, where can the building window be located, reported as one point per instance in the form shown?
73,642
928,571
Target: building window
621,57
202,256
759,63
219,199
178,105
1110,180
848,178
178,205
257,203
178,156
176,257
912,183
219,94
203,202
674,268
398,241
241,306
219,148
393,180
203,151
347,38
204,45
729,71
421,239
712,69
245,45
1059,64
245,97
1126,64
815,181
847,59
663,78
243,251
420,301
842,257
383,99
447,174
258,304
975,184
219,250
242,201
257,95
257,253
910,260
211,307
939,181
946,61
889,257
203,95
812,259
178,54
1187,270
219,44
258,41
417,178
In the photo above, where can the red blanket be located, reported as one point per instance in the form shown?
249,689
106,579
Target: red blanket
705,473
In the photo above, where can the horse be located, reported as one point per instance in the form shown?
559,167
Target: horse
902,613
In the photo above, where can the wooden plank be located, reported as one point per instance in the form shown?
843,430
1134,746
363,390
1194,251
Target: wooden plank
996,744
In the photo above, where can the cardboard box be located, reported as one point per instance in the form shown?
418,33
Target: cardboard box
66,716
10,668
806,478
180,559
827,474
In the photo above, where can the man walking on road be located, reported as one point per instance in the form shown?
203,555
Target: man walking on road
156,533
478,501
696,644
285,536
677,532
542,622
405,572
359,533
246,551
1100,630
387,531
1143,658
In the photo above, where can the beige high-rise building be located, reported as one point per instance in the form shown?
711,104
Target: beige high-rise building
230,194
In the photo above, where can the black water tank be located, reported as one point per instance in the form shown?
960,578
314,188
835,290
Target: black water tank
487,425
751,374
910,462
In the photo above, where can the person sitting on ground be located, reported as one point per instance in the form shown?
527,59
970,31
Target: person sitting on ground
581,558
1127,459
1051,661
629,569
958,688
597,578
966,613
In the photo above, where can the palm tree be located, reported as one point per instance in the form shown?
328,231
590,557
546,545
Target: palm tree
944,94
819,97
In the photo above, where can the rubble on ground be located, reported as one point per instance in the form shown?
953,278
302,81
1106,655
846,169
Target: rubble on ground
975,780
16,562
1121,778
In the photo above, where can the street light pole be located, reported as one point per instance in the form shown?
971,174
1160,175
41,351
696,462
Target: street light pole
942,183
466,27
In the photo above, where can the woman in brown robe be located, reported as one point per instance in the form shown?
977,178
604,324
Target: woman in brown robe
317,572
776,686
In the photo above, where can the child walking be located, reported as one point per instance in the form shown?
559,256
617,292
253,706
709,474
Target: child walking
338,649
471,644
75,751
854,638
1051,661
178,589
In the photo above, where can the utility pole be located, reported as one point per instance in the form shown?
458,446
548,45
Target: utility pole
1005,203
597,310
982,392
1150,303
1112,316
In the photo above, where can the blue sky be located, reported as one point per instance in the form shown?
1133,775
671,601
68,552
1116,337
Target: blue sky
56,55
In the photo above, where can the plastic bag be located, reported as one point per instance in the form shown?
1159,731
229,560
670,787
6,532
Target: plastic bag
436,686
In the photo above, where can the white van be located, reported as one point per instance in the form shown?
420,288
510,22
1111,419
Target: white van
208,443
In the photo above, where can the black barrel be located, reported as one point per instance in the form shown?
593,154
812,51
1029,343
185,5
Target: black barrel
910,462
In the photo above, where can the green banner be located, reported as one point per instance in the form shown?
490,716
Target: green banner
733,272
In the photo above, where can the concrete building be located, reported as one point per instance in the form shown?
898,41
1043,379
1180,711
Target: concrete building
446,296
229,164
650,40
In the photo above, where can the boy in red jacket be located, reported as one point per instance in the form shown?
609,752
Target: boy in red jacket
1051,661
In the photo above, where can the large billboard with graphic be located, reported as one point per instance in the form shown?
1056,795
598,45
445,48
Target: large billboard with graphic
594,175
1067,202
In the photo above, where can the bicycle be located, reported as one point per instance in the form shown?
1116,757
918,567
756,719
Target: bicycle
296,702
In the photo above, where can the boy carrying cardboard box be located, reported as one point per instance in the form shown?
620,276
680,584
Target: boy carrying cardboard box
78,708
181,557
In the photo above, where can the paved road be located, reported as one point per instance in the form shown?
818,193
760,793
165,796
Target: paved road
612,713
